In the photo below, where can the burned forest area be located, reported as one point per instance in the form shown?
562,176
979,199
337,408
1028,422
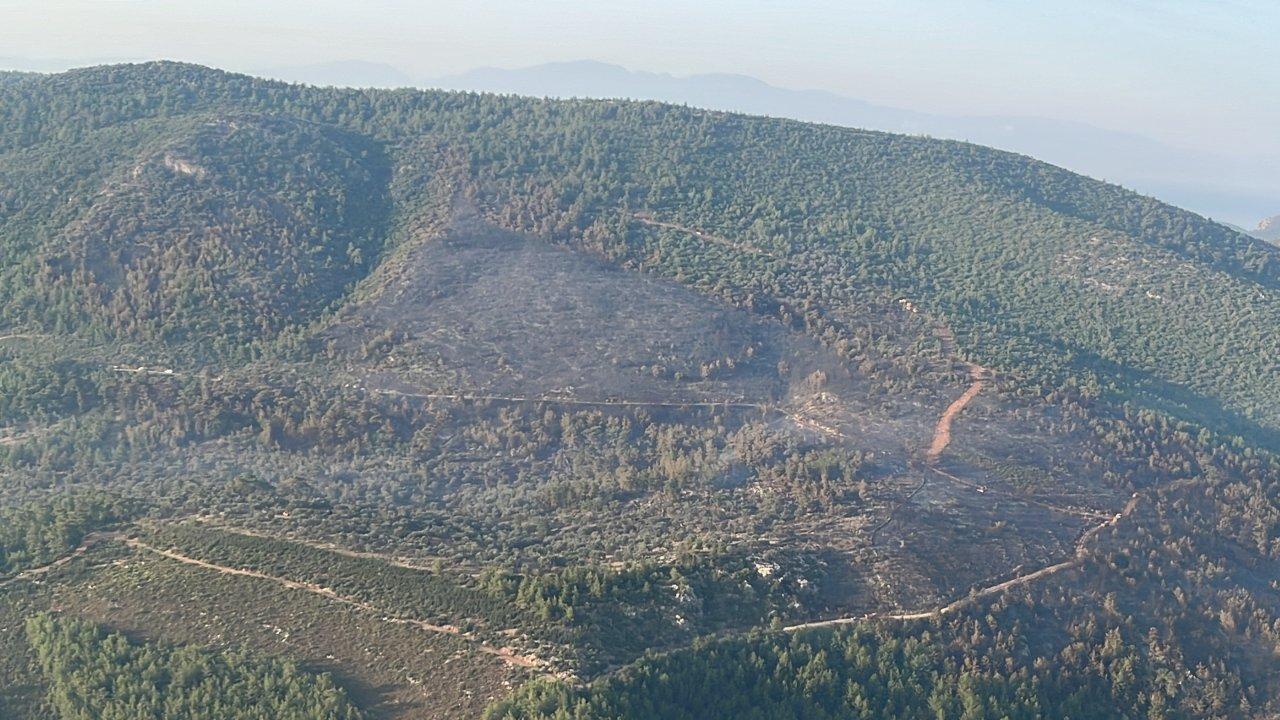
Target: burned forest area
325,403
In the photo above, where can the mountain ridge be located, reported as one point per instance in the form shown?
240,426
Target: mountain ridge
575,408
1174,174
1234,189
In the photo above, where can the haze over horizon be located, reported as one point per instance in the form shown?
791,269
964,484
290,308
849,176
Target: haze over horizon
621,361
1186,75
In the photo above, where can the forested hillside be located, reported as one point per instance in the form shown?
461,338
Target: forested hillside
96,675
442,404
221,228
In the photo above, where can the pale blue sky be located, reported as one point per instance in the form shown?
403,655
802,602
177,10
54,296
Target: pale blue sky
1202,74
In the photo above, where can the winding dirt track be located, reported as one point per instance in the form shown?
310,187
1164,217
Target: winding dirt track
323,546
979,377
795,415
1081,551
940,441
144,370
942,429
504,654
7,440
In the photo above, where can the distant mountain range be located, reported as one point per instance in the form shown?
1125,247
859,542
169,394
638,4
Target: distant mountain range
1232,189
345,73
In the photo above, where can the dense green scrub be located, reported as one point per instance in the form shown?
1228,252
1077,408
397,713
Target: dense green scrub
863,673
41,532
97,675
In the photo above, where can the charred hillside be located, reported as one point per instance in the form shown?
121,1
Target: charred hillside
438,393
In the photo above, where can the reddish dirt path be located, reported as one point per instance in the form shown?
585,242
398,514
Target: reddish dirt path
979,377
942,431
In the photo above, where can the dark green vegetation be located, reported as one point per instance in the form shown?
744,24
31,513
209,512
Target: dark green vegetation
37,534
439,393
866,674
213,230
615,613
96,675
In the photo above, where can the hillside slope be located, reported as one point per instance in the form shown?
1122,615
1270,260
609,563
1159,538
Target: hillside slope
1045,261
600,394
226,227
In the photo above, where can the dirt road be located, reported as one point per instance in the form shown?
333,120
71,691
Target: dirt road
14,439
22,336
1085,513
552,400
143,370
703,235
506,655
323,546
89,541
942,430
1081,552
979,377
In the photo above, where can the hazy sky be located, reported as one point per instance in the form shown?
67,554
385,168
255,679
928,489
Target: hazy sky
1202,74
